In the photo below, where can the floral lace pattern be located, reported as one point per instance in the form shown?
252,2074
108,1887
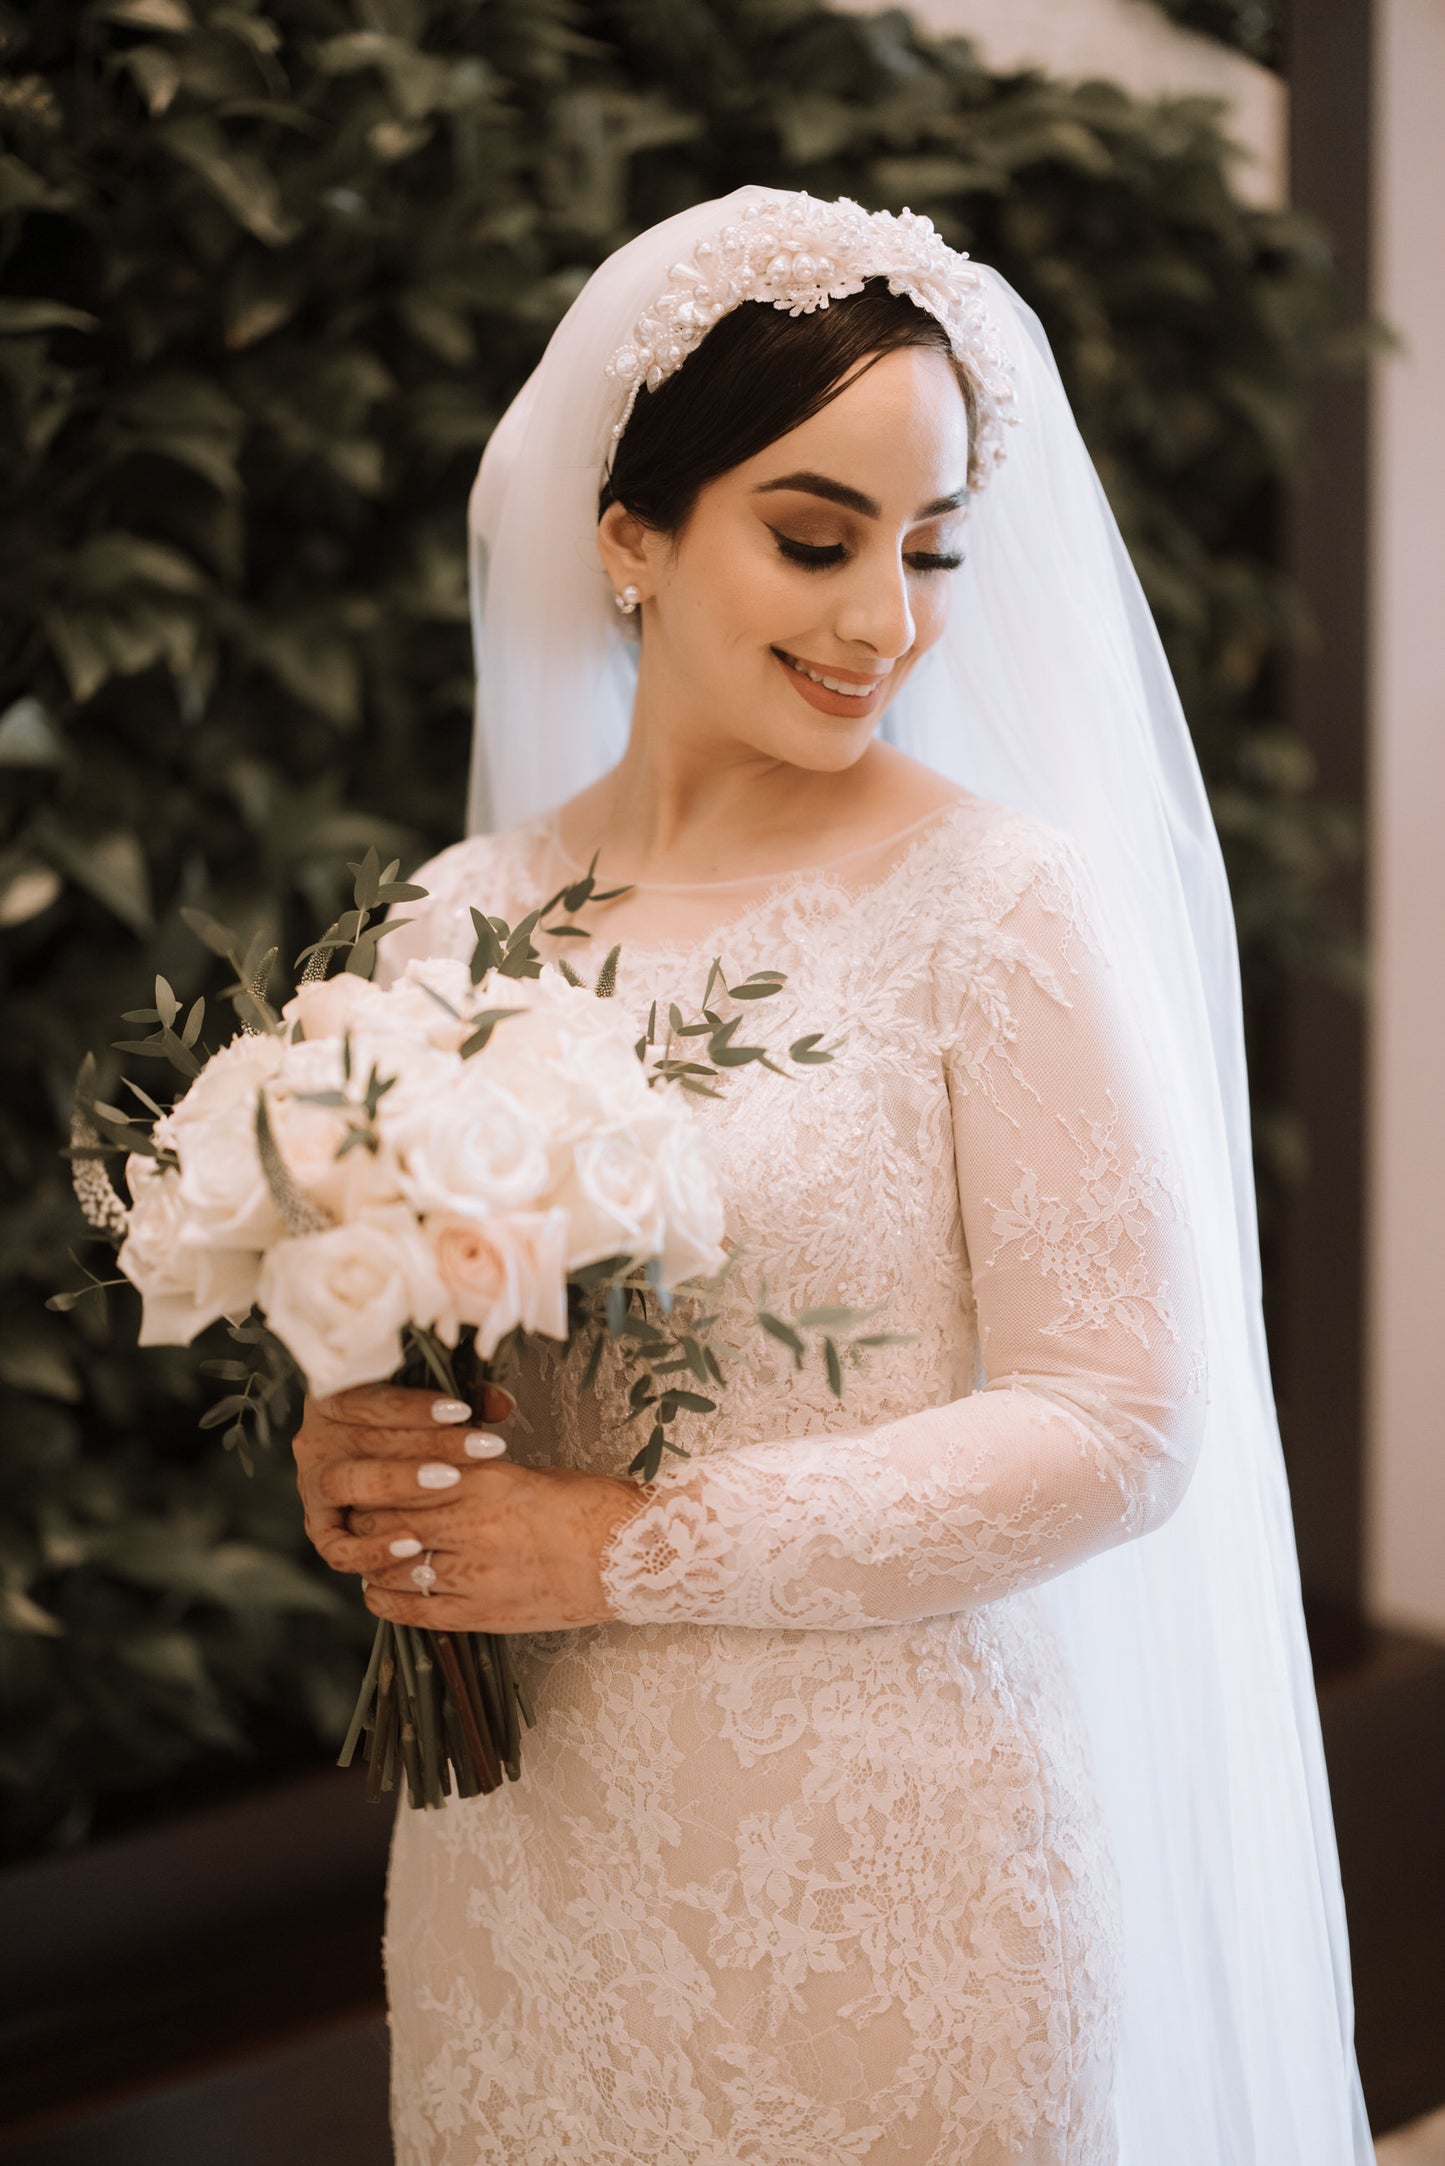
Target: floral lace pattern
1094,1243
806,1862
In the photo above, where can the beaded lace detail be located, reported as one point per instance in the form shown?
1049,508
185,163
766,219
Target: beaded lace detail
806,1863
799,252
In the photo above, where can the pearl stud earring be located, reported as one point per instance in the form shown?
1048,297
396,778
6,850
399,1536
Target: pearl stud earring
627,600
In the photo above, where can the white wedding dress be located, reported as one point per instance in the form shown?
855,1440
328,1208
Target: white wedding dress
806,1862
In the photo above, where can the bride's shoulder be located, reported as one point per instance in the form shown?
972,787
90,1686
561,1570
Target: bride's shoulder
976,842
491,862
1006,883
996,850
496,873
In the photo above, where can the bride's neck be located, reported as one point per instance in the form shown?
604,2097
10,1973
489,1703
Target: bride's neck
671,810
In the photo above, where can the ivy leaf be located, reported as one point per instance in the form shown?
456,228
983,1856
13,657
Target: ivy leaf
240,180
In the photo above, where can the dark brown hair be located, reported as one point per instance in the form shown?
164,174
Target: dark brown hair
757,374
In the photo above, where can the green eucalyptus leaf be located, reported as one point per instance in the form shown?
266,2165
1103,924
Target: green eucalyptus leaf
479,1037
834,1367
777,1329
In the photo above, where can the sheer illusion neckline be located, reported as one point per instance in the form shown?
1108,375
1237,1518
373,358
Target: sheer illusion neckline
547,824
916,835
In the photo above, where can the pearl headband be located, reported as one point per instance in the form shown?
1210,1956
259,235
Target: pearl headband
800,252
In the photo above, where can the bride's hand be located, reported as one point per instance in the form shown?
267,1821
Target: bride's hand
386,1484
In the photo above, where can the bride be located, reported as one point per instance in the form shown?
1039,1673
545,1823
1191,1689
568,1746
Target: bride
931,1774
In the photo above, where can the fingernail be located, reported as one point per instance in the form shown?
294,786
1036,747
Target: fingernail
450,1410
436,1474
481,1444
510,1397
405,1545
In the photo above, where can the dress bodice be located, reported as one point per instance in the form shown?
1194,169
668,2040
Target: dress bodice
986,1126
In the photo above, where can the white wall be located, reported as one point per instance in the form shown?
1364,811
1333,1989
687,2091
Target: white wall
1406,1507
1133,43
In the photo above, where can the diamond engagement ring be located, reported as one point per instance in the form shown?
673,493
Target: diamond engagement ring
422,1575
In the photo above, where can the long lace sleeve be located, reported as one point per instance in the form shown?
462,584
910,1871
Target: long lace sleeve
1087,1427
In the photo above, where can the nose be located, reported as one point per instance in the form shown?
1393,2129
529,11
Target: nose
875,611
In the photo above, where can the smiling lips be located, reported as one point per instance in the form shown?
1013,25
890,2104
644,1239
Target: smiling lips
832,691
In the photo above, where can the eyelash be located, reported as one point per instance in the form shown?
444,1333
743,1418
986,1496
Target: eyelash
817,558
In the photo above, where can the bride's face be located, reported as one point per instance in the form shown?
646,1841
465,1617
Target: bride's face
832,552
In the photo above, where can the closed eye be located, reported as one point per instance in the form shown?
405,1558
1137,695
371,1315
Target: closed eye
820,558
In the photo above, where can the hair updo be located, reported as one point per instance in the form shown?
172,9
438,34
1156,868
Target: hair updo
758,374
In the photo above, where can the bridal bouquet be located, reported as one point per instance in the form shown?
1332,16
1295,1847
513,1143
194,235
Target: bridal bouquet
381,1182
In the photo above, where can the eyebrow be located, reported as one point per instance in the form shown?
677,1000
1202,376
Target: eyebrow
838,492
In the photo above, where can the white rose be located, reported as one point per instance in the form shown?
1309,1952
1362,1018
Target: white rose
340,1300
410,1064
183,1286
227,1197
310,1136
411,1008
613,1199
692,1206
231,1077
573,1066
330,1007
503,1272
470,1149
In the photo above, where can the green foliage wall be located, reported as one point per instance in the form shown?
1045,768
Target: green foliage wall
268,276
1253,27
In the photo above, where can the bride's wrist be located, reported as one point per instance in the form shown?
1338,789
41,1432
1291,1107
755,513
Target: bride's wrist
618,1502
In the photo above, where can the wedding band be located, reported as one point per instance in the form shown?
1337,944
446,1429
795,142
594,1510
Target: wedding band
422,1575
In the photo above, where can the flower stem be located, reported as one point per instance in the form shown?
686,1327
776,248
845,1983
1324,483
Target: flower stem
471,1711
365,1697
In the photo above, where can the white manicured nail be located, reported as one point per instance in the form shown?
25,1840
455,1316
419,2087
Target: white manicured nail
450,1410
481,1444
436,1474
405,1545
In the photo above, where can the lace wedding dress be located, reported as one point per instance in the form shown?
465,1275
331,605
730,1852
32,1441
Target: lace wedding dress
806,1862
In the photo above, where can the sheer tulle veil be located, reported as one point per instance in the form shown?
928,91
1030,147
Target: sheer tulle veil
1049,692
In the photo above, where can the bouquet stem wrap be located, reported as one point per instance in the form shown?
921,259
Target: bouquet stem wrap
442,1709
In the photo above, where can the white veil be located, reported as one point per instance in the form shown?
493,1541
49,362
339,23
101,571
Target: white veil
1048,692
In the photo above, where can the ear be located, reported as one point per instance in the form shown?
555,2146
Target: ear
627,548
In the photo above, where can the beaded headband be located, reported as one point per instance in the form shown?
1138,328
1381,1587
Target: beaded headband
800,252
